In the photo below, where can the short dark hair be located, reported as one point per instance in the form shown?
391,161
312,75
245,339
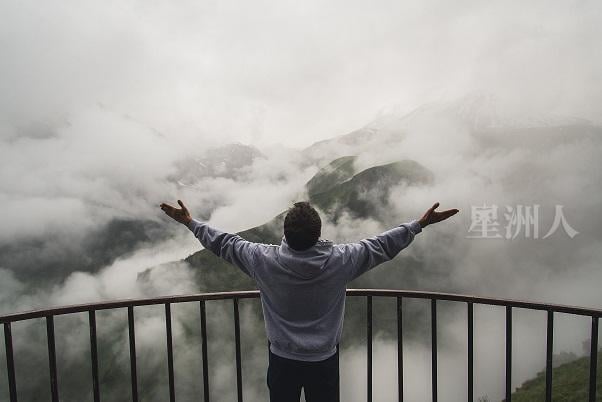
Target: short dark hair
302,226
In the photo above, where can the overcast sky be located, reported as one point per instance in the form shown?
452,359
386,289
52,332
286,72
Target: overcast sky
288,72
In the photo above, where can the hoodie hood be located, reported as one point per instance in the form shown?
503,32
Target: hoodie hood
307,263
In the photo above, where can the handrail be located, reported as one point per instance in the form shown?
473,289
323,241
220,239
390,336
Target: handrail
235,296
123,303
249,294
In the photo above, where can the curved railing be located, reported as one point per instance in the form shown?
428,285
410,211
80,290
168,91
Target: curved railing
167,301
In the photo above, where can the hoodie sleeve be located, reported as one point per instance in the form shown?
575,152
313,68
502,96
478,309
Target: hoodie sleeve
230,247
366,254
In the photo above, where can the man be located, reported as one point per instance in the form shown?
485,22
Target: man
302,286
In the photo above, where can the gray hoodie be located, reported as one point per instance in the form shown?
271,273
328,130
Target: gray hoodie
303,292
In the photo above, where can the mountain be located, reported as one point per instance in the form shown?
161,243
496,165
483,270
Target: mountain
336,172
230,161
487,122
41,261
325,150
367,192
570,383
480,110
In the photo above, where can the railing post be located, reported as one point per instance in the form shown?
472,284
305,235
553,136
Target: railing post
434,349
204,351
238,357
10,363
369,348
399,350
170,375
593,360
94,355
54,392
508,354
470,331
132,338
549,354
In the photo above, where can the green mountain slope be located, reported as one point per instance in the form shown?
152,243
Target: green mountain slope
368,191
336,172
570,383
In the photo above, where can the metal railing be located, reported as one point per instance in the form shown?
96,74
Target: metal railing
167,301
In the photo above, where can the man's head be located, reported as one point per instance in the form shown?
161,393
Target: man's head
302,226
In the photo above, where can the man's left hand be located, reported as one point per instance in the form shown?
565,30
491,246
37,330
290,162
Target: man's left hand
178,214
432,216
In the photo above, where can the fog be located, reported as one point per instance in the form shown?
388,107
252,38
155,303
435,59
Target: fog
108,109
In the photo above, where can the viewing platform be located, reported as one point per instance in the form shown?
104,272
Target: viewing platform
368,294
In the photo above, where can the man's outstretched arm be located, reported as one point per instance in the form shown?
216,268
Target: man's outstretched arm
366,254
432,216
370,252
230,247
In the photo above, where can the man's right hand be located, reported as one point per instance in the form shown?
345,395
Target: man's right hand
432,216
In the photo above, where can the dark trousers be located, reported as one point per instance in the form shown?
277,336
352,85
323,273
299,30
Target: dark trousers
319,380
